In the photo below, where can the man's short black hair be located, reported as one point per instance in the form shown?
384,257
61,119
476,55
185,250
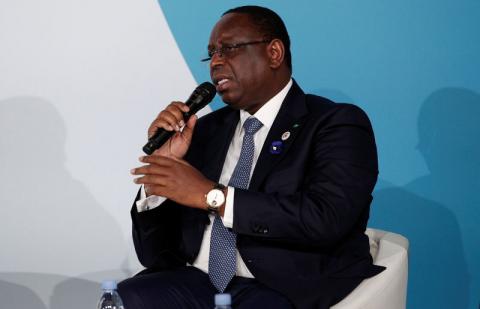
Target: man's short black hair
269,23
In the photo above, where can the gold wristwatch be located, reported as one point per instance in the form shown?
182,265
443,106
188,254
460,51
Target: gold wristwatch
215,198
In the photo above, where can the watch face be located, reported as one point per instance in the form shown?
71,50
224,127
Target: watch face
215,198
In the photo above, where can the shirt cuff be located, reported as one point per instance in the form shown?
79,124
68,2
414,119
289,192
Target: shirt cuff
146,203
228,213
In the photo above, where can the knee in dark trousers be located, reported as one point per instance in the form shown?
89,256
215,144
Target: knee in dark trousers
190,288
185,287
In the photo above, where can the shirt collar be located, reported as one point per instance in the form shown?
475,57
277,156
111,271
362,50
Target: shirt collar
268,112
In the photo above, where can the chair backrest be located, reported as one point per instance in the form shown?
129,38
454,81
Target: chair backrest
389,288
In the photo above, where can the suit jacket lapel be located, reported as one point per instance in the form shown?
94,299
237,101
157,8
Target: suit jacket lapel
217,147
289,119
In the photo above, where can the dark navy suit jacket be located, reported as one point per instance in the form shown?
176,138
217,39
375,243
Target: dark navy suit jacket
301,223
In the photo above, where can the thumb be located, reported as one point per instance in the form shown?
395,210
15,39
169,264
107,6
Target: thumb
188,129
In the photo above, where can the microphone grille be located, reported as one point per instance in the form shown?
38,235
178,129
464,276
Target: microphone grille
208,90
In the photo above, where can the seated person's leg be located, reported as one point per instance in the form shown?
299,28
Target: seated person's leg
188,287
251,294
185,287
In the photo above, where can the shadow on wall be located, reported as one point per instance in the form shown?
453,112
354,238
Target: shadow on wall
17,296
439,212
52,227
58,292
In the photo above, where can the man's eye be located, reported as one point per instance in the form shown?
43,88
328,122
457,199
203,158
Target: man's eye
229,48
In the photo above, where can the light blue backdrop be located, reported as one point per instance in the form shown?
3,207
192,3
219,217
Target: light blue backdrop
413,66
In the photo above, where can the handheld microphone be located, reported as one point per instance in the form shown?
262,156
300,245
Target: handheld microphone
200,97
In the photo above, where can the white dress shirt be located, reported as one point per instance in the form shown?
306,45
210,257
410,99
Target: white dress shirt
266,115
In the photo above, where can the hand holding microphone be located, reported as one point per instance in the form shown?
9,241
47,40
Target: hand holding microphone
166,173
174,116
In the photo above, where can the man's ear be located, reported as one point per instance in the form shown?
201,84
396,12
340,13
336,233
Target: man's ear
276,53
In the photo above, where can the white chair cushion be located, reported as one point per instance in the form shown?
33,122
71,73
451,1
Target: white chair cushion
389,288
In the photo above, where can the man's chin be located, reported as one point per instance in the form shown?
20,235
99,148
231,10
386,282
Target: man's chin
229,100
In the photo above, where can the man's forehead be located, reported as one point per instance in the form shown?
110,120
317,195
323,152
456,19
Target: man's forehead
231,26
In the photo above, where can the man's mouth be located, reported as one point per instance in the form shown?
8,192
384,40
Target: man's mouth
222,84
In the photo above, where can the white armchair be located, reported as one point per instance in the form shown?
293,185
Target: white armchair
389,288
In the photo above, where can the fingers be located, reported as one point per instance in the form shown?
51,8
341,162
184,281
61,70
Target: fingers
169,176
150,180
157,171
161,161
157,165
170,119
147,170
150,175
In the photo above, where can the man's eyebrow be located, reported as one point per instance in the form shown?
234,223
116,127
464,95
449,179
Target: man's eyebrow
224,40
222,43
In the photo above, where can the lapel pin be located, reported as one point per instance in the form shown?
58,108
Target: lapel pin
296,125
276,147
285,136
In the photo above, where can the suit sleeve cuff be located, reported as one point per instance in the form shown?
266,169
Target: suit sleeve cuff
145,203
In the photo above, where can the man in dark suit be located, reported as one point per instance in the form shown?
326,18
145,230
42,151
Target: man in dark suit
267,198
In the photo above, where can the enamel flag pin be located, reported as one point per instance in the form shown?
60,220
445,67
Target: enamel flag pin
276,147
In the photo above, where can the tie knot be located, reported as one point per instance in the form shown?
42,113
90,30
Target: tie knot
252,125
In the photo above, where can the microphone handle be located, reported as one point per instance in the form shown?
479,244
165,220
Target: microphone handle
200,97
157,140
161,136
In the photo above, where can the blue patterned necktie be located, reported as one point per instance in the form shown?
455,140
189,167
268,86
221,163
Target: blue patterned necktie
222,262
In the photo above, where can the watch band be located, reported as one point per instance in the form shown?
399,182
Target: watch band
219,186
